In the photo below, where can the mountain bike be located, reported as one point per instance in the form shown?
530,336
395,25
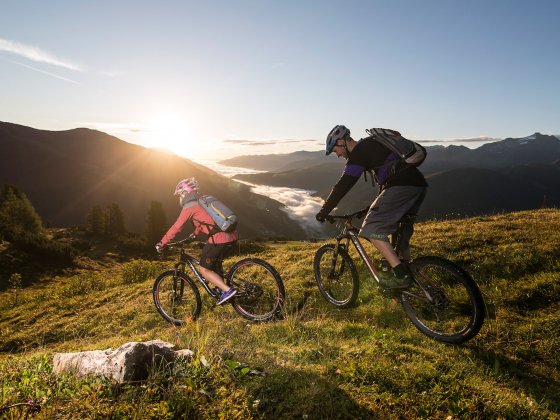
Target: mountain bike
444,302
260,292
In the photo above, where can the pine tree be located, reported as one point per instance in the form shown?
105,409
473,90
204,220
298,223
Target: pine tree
114,221
17,215
156,223
95,220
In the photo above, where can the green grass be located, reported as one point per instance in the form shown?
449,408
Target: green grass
318,362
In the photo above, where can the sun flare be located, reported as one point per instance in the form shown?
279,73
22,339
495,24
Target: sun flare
170,131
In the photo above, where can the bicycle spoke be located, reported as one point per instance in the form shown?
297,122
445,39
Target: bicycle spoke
176,298
336,276
448,305
260,292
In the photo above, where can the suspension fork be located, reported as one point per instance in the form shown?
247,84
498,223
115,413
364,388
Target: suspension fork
179,269
332,273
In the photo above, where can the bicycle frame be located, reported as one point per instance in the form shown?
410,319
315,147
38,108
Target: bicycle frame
186,259
350,233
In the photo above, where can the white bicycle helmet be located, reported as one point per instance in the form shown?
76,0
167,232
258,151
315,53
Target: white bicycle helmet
186,186
339,132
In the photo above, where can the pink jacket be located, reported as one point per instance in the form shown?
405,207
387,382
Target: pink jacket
197,214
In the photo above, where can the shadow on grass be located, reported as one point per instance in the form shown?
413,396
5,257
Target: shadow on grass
538,385
290,393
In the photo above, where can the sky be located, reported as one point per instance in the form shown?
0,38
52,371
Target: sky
215,79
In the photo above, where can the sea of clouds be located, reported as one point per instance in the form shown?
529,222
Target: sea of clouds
300,205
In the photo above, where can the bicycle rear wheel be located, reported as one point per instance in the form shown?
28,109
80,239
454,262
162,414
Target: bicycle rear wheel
260,291
454,311
336,276
176,297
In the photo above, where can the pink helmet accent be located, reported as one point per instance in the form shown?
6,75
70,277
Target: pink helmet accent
186,186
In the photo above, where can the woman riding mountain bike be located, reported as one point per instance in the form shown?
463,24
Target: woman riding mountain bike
218,242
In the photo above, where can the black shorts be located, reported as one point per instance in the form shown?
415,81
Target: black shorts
213,255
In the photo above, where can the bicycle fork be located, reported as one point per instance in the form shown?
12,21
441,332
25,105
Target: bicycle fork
179,268
333,274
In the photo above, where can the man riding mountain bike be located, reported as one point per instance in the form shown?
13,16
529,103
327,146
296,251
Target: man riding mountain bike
402,188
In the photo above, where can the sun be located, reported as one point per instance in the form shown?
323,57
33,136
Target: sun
170,131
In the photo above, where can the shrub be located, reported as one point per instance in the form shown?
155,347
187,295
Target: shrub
138,271
83,283
248,247
131,243
43,247
81,244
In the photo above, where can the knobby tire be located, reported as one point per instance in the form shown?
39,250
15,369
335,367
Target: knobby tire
457,311
339,283
179,306
260,291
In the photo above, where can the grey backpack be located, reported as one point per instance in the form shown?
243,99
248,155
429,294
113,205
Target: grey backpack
221,214
409,151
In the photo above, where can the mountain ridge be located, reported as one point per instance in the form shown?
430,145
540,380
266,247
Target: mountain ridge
65,173
503,176
440,157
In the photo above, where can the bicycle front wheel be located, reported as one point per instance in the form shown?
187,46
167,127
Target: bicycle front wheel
445,303
336,276
176,297
260,291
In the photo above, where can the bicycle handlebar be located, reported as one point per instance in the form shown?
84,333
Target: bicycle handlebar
350,216
188,239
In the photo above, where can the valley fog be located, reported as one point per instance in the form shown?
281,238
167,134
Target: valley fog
300,205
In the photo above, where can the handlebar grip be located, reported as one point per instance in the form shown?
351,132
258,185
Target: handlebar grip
329,219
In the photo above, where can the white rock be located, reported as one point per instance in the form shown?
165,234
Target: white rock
133,361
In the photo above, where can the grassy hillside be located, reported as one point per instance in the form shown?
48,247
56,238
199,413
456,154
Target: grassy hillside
319,362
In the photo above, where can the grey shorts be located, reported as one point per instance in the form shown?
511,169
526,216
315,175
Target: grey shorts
388,208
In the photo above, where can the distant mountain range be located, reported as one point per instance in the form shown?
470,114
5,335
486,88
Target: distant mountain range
537,148
65,173
511,174
279,162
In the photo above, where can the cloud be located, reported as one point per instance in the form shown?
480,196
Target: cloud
301,206
270,142
66,79
114,129
228,171
36,54
463,140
